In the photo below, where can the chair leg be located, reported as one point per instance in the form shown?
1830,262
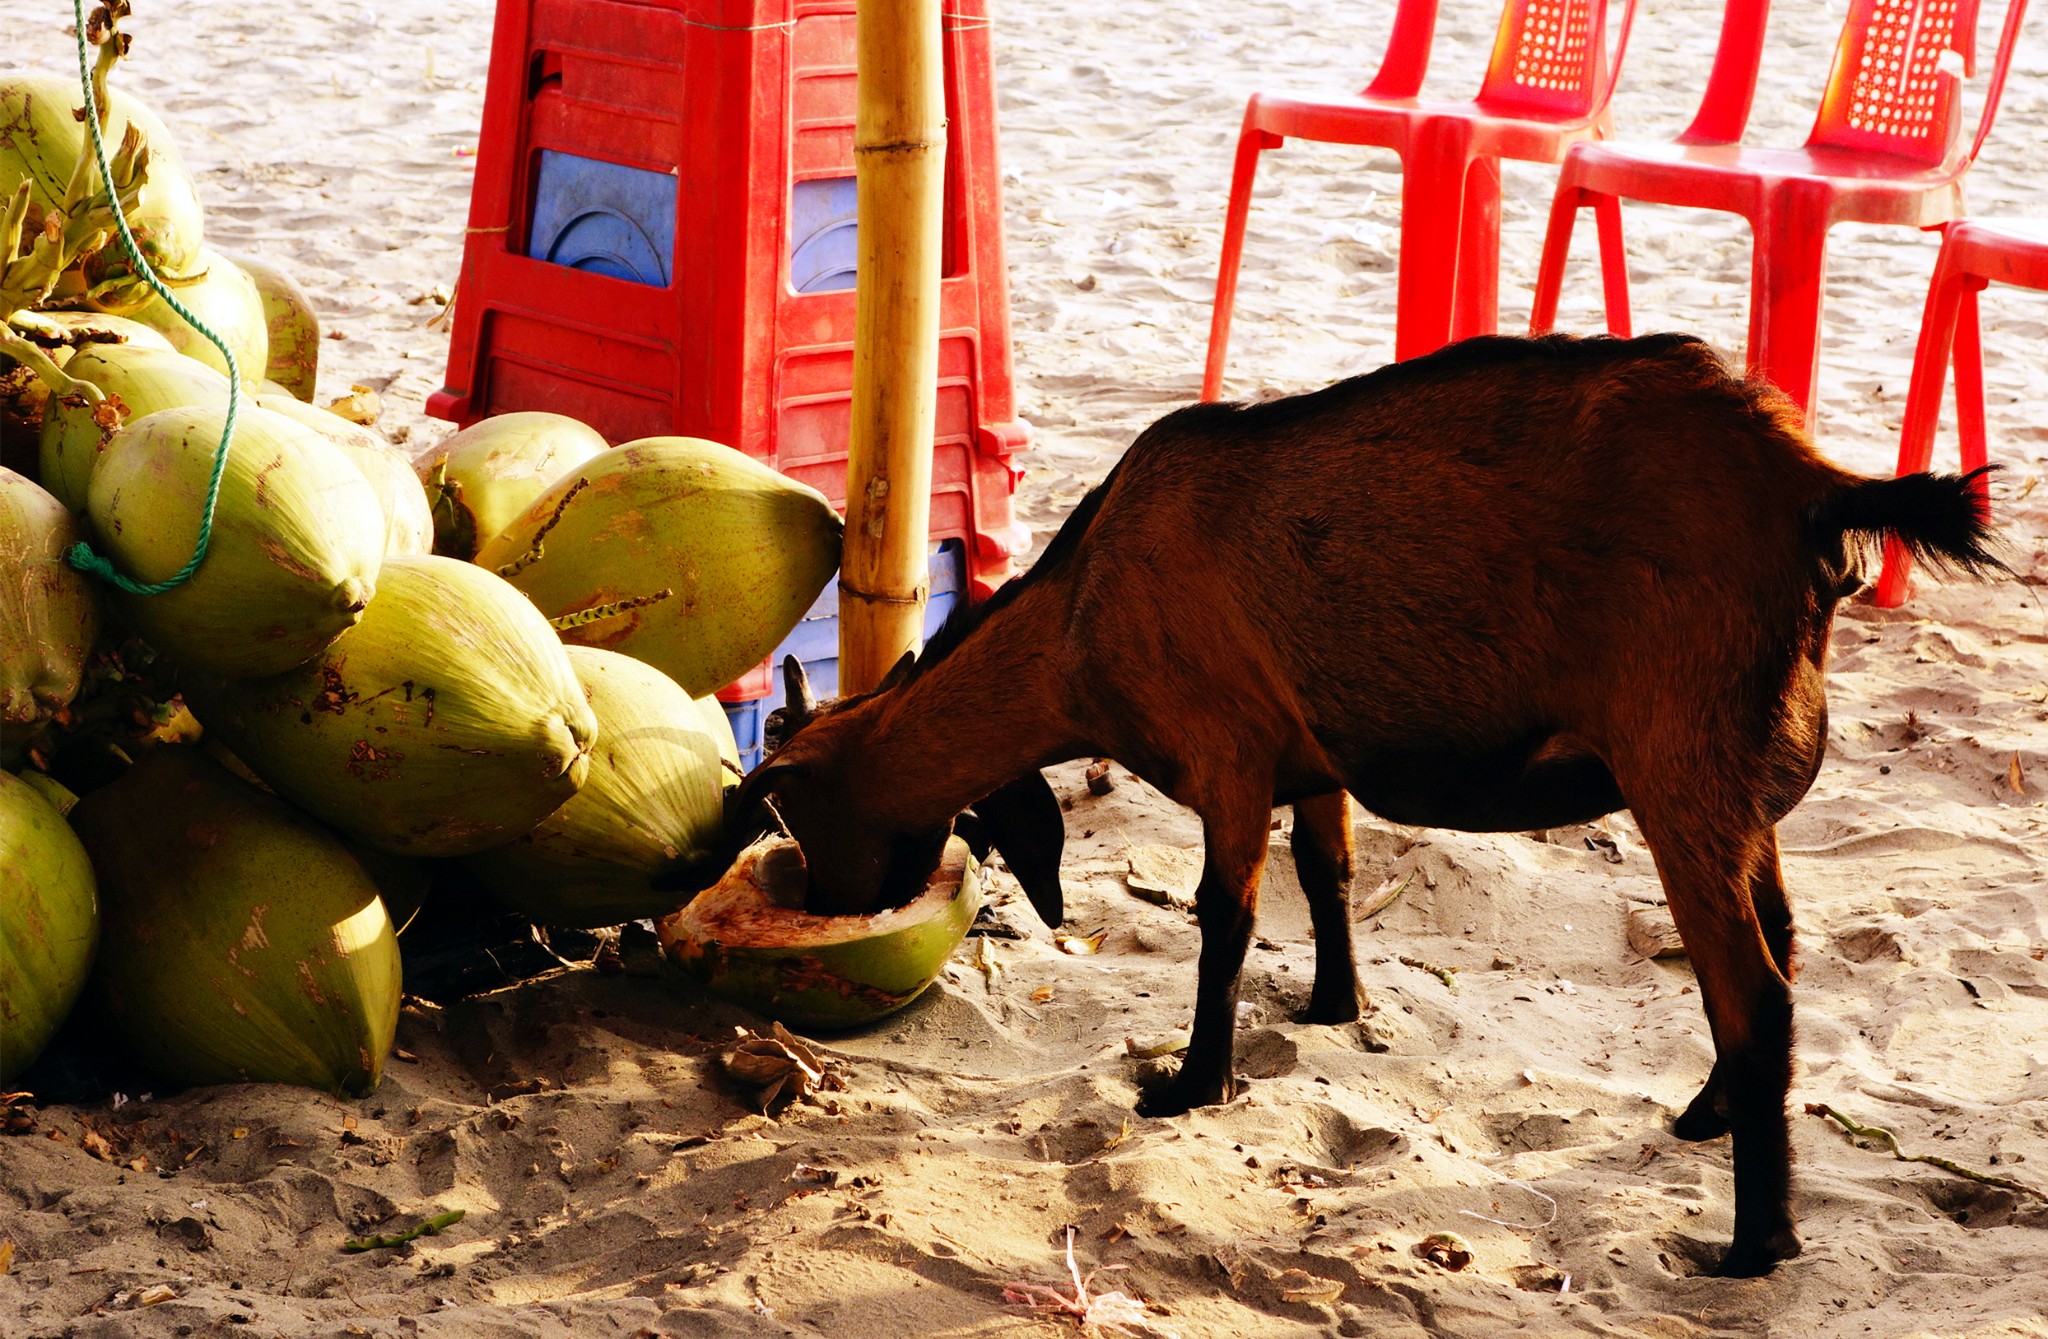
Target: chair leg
1613,265
1969,360
1432,204
1476,304
1557,245
1786,272
1250,143
1947,295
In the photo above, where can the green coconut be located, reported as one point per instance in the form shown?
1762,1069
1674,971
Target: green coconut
49,612
138,380
683,553
644,832
747,939
252,948
41,140
228,301
49,922
297,537
480,479
408,522
445,722
293,360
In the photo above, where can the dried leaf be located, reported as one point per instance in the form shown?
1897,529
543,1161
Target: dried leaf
1163,875
2014,777
1081,945
6,1256
778,1063
1384,895
1041,995
1298,1285
155,1294
361,405
1653,934
1172,1043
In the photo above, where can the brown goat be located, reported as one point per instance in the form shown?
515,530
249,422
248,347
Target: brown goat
1514,584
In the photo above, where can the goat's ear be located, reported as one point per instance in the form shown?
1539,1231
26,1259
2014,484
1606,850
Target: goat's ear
800,703
898,672
1022,820
743,803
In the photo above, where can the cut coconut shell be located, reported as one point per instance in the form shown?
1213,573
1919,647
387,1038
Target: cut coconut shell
748,940
49,611
252,947
689,555
297,537
49,922
292,356
483,478
447,721
645,830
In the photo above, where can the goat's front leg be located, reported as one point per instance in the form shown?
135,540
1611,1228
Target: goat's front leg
1322,857
1234,838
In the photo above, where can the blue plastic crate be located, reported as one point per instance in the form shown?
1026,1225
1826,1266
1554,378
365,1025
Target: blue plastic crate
604,218
823,235
815,642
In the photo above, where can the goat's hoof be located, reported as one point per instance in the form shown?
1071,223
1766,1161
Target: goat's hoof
1700,1122
1754,1259
1181,1096
1329,1011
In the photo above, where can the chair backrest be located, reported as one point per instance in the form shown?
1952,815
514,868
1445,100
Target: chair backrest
1549,60
1731,82
1889,91
1407,59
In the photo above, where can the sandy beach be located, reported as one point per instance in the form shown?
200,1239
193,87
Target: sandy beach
1514,1080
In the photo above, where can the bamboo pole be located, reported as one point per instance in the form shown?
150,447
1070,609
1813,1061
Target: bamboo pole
899,147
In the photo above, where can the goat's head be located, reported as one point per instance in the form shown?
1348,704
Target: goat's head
863,848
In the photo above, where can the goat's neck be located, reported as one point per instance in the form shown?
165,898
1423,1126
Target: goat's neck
993,709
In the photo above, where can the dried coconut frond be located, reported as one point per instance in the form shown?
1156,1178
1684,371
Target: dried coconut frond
779,1065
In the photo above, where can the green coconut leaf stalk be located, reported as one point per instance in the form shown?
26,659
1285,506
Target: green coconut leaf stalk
297,537
748,940
294,349
49,612
408,523
445,722
743,549
252,945
644,832
138,379
49,922
224,298
481,479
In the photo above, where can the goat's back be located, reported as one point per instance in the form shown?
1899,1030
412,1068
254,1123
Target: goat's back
1503,521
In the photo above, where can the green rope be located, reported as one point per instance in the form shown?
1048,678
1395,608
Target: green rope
81,555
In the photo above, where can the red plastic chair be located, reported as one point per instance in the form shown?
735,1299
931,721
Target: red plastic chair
1884,149
1546,86
1974,253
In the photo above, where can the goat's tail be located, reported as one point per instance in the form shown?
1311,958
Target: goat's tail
1942,519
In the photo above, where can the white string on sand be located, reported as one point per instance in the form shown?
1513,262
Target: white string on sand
1519,1185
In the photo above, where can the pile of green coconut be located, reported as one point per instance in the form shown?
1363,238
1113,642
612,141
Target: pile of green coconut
220,802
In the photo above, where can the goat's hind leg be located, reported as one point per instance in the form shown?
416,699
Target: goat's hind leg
1322,858
1705,1118
1234,856
1708,872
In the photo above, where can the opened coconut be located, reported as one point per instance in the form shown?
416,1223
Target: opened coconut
292,354
683,553
408,522
252,946
748,940
138,380
226,300
297,537
644,832
49,922
481,479
447,721
44,141
49,612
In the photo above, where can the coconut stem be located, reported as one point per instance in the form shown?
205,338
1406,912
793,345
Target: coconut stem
611,610
536,550
101,31
36,361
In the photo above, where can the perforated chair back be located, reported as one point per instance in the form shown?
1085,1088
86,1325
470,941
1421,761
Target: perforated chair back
1894,89
1548,60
